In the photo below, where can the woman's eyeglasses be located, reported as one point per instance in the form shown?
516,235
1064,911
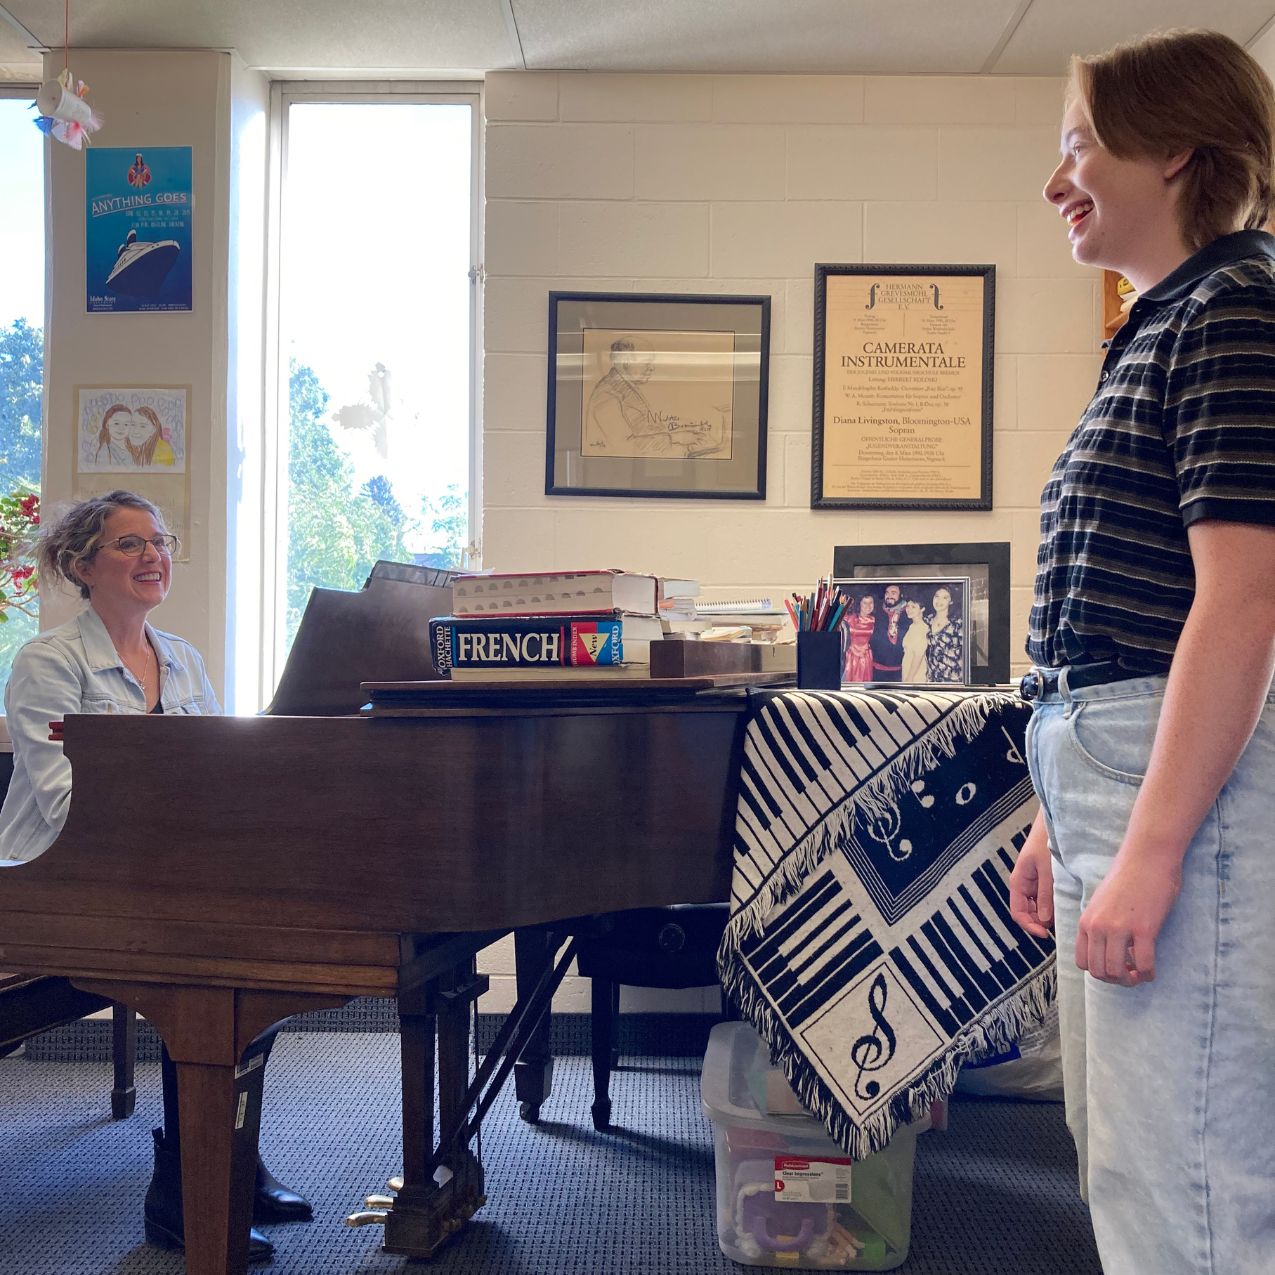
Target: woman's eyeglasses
135,546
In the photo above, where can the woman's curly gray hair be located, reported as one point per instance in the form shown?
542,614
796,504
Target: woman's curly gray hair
75,537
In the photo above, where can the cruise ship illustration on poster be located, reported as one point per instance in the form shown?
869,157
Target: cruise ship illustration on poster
139,207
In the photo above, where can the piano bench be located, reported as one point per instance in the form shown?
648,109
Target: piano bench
670,947
32,1004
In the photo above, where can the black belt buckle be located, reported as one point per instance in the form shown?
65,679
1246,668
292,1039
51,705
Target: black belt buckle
1032,686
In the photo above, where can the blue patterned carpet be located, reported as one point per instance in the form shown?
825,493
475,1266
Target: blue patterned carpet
994,1196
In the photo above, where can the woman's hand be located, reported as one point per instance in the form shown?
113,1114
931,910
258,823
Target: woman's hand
1119,927
1031,884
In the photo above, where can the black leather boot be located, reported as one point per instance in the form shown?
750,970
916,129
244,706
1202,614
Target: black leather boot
163,1208
274,1202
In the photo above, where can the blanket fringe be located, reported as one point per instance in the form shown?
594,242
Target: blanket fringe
992,1032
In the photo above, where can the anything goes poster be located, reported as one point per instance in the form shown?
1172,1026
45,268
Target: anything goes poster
137,228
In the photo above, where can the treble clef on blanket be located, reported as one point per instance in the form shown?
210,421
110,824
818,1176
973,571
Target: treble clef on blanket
873,1051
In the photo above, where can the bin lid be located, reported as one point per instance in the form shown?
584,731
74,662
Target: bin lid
735,1050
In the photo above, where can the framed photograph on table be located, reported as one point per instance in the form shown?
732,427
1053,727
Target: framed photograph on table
986,608
657,395
906,631
903,387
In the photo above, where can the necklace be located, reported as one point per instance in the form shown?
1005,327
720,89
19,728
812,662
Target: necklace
143,678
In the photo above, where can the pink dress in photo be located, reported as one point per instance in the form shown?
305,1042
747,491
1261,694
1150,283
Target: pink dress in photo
859,649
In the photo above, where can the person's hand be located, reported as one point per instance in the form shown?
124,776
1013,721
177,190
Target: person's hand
1031,888
1119,927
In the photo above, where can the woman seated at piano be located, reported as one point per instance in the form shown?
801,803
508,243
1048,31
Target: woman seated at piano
115,550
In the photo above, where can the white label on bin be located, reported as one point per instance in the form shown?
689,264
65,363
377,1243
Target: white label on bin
802,1181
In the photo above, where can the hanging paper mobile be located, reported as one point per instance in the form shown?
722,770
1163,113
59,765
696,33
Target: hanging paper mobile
64,114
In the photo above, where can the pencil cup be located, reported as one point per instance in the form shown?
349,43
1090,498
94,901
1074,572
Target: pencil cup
819,657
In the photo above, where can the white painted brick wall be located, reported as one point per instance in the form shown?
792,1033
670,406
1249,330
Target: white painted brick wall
741,183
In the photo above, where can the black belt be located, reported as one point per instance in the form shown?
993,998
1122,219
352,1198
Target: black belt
1044,681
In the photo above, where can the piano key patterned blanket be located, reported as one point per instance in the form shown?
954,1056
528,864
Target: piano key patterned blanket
870,941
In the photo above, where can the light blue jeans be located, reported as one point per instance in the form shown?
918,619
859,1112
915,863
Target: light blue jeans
1170,1086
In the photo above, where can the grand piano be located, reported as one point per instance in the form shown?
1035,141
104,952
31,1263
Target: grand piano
221,874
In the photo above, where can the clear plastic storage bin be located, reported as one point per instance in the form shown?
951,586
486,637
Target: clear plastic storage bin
787,1194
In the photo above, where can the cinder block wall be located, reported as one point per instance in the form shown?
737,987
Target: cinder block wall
740,184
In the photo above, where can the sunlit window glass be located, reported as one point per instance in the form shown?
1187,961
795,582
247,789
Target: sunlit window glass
375,314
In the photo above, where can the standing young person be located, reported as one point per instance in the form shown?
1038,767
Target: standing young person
1152,741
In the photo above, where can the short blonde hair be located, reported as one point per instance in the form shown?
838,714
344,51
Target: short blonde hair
1188,90
76,536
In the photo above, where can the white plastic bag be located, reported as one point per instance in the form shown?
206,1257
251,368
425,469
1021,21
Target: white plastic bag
1032,1068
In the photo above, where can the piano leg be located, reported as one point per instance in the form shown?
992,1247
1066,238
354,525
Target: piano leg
124,1060
217,1216
427,1211
534,949
210,1034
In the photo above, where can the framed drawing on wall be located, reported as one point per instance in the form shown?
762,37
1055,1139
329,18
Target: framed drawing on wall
986,605
136,437
903,387
657,395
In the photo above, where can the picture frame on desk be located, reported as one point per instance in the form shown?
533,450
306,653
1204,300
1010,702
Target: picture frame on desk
657,395
986,564
906,631
903,372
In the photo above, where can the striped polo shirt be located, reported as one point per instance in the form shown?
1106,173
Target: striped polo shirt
1180,429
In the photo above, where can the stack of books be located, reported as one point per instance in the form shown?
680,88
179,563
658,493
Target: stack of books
548,625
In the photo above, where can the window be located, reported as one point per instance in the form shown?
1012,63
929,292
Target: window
21,323
377,249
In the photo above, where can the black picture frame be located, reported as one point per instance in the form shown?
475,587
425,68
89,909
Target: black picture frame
987,565
875,447
657,395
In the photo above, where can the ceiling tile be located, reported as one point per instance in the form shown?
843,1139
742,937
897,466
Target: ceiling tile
1051,32
277,34
831,37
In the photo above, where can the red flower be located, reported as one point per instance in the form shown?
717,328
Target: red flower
21,573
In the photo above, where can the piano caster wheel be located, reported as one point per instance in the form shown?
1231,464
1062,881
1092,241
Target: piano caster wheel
602,1114
530,1112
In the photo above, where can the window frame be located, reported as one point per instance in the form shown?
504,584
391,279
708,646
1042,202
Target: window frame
23,90
284,94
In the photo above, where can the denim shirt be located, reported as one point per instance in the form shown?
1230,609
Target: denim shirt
76,669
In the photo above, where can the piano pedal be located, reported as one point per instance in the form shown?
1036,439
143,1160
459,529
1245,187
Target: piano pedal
395,1184
368,1217
379,1202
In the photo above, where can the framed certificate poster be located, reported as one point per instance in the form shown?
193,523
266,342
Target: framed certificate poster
903,387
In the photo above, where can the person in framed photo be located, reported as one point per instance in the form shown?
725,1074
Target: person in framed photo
916,642
887,636
1151,747
945,642
859,625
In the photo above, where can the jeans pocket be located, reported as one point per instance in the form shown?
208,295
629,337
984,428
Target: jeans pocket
1031,744
1114,737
